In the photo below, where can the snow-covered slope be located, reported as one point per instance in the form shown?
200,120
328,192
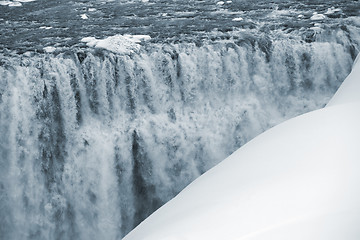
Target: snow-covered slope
349,90
298,180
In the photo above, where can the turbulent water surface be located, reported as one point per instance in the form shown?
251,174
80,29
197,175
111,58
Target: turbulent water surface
93,140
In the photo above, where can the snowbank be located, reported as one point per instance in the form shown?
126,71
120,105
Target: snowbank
123,44
349,91
298,180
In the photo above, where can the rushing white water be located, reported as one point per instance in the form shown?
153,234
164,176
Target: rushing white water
92,142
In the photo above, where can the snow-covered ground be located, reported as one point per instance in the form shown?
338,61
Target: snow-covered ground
298,180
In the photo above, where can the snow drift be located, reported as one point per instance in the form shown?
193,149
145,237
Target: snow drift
298,180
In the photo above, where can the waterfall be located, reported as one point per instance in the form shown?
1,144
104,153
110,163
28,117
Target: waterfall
92,142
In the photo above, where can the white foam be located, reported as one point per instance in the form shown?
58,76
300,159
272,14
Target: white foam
91,9
220,3
123,44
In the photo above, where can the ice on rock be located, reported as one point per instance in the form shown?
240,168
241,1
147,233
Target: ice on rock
49,49
332,10
316,29
138,38
88,39
238,19
317,17
15,4
123,44
84,16
45,27
5,3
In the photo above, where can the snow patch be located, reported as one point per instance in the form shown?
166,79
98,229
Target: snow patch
123,44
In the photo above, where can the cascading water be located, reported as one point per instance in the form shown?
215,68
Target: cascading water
92,142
